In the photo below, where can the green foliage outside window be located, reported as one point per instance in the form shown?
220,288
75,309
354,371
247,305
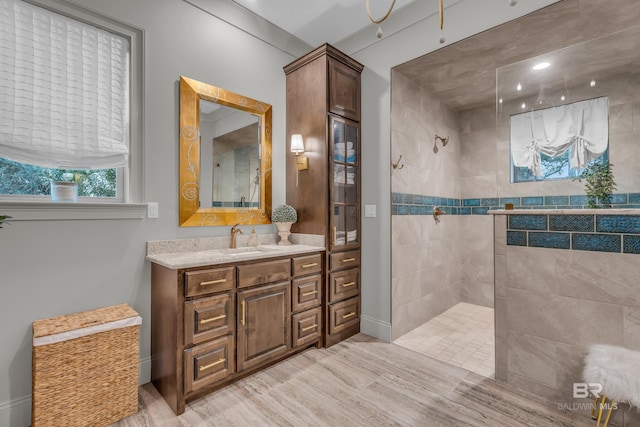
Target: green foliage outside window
552,168
21,179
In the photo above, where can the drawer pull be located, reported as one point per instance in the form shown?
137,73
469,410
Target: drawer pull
212,282
211,365
306,294
346,316
348,260
346,285
313,264
315,325
212,319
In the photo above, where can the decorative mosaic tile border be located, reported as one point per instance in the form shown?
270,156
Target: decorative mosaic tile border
417,204
585,232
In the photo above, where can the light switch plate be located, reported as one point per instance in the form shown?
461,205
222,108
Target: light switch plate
370,211
152,210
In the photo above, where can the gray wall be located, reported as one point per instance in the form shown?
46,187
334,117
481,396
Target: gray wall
51,268
57,267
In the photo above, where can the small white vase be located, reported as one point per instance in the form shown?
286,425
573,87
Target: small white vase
283,232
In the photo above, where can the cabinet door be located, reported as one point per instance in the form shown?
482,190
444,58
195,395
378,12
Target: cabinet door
344,184
344,90
263,324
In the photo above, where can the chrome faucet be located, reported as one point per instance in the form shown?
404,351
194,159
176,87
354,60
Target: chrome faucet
234,232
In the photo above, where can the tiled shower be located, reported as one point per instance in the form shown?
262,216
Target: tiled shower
436,265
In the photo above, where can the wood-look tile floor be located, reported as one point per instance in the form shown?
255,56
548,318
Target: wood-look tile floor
358,382
462,336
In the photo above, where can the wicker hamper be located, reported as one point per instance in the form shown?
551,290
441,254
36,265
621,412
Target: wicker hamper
85,367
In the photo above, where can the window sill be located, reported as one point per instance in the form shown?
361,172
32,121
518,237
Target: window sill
42,211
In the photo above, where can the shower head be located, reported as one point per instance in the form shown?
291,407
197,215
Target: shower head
444,141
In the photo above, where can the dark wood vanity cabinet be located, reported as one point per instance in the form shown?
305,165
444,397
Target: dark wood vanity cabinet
323,104
212,325
263,330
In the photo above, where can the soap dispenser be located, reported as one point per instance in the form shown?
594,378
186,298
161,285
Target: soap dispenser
253,238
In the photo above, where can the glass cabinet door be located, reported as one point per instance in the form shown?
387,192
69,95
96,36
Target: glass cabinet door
345,183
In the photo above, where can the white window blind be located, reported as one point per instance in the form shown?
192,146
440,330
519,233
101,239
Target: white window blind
581,126
64,90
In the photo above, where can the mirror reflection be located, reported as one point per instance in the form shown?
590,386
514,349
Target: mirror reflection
229,157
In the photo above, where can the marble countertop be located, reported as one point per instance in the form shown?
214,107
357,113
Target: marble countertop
200,258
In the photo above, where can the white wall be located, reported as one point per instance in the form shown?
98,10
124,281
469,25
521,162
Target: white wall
50,268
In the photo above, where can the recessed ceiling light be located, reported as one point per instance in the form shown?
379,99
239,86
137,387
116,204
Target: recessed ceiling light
562,98
541,66
500,100
593,83
519,87
524,105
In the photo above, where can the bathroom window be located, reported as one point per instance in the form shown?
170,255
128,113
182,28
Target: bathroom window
70,103
559,142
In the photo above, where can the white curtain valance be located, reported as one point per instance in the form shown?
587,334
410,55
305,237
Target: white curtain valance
581,126
63,90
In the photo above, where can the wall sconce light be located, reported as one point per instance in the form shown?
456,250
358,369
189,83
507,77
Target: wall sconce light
297,147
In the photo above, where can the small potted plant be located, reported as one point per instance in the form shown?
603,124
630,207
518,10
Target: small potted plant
283,216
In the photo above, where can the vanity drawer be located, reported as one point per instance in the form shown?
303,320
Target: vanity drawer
208,363
344,284
307,292
203,282
306,327
344,260
207,318
344,314
263,272
307,264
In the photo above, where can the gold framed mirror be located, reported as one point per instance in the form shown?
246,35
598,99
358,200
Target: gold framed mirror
225,157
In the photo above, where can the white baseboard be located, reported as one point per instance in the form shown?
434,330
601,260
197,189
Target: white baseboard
375,328
17,412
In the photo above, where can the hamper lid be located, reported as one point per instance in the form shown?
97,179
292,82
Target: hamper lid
70,326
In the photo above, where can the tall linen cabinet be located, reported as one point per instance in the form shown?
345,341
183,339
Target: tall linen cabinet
323,105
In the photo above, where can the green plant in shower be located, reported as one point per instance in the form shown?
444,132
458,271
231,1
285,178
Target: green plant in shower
2,218
599,184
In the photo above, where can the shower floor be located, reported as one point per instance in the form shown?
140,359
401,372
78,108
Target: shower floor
462,336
